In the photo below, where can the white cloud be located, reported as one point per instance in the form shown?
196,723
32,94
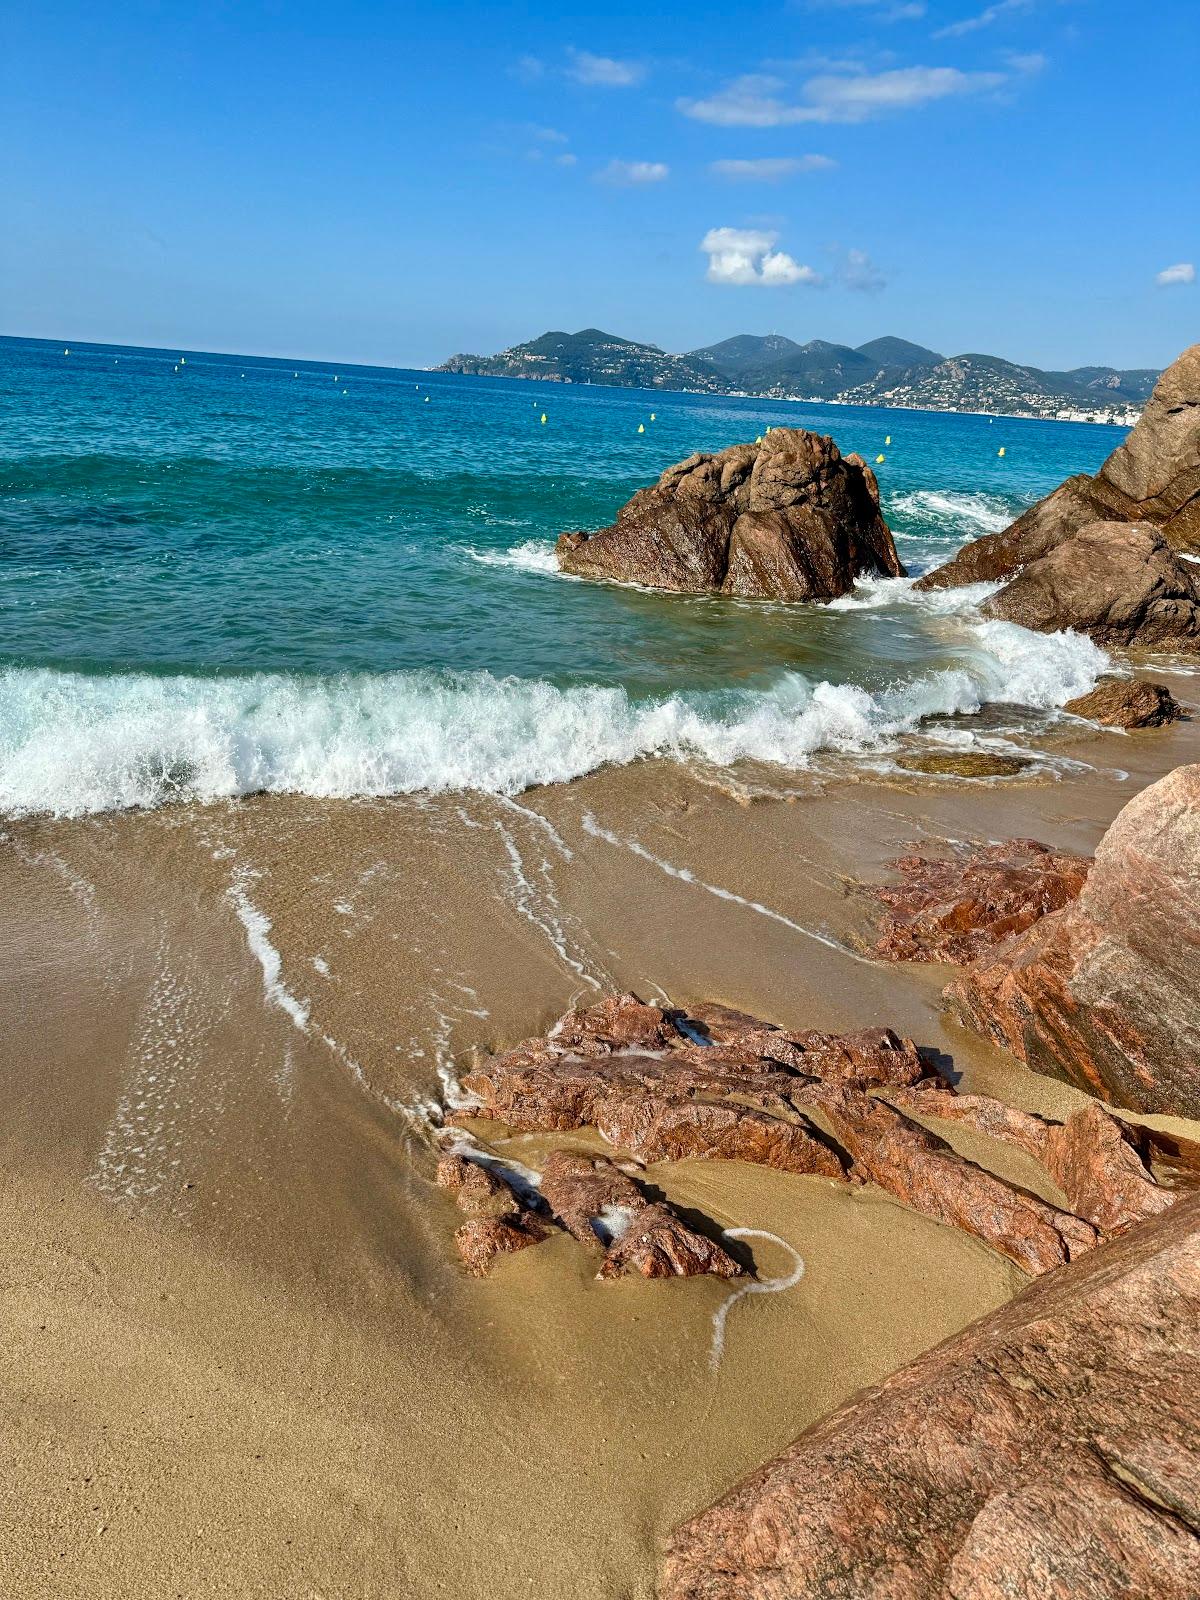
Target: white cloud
547,135
566,159
770,169
629,174
982,19
859,272
529,69
1030,63
1181,272
748,255
884,10
603,71
754,101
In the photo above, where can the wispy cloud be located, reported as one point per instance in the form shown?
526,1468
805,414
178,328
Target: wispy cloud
770,169
604,72
857,271
1181,272
882,10
1031,62
755,100
632,174
741,256
982,19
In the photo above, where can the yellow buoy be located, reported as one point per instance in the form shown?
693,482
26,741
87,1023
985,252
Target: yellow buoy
345,391
426,399
880,458
758,439
1000,452
183,361
543,416
887,438
653,416
641,427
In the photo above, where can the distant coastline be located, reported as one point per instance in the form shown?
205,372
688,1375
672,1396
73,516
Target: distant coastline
890,373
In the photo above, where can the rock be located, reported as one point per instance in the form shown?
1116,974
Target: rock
1090,1156
788,518
965,764
719,1084
924,1173
598,1203
1103,992
481,1239
955,908
477,1191
1119,582
1051,1451
1153,478
1127,703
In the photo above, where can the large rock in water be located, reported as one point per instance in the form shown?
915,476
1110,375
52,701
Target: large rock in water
1049,1452
1119,582
789,518
1153,477
1104,992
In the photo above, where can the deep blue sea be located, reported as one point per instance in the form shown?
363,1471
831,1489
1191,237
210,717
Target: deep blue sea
221,574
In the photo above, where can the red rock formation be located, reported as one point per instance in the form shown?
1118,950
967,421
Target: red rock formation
1153,477
1127,703
788,518
597,1203
481,1239
1049,1452
1090,1156
925,1173
1103,993
955,908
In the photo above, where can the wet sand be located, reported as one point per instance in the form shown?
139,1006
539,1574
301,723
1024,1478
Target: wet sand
239,1356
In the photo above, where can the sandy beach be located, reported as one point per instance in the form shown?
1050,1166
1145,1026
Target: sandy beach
240,1355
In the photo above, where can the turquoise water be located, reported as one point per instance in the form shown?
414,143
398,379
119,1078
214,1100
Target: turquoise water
222,573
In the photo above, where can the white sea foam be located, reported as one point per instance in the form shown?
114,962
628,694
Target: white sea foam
72,743
966,515
531,555
789,1280
258,925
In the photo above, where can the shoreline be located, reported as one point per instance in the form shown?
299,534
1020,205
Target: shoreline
238,1331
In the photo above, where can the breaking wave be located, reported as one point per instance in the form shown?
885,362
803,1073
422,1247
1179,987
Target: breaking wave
531,555
963,515
72,743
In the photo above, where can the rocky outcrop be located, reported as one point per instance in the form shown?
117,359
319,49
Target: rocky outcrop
955,908
599,1205
1119,582
663,1085
1103,992
1152,478
1092,1157
786,518
1127,703
1049,1452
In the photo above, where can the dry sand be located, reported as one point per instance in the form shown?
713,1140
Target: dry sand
239,1357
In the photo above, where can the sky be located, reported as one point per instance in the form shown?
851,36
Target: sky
391,184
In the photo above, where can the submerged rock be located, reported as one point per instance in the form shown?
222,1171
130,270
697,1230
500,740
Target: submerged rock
788,518
965,764
954,908
1119,582
1152,478
1051,1450
1127,703
1103,992
597,1203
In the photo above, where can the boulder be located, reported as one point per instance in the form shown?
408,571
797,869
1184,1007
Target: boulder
599,1205
1103,992
787,518
1050,1451
954,908
1119,582
1127,703
481,1239
1153,477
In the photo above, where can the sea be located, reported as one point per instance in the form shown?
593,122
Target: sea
226,574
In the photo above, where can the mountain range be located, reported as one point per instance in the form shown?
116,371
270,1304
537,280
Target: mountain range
887,371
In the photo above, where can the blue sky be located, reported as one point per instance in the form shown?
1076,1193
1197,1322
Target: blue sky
392,183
